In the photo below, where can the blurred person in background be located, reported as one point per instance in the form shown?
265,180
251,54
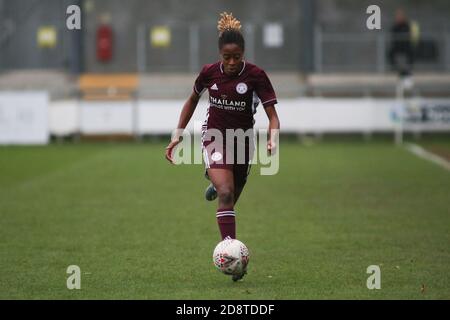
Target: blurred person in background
401,53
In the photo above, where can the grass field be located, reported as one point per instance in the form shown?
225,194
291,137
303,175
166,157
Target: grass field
140,228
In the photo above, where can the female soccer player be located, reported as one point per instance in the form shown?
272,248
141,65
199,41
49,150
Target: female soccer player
235,89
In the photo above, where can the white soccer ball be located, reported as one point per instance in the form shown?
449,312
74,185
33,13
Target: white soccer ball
231,256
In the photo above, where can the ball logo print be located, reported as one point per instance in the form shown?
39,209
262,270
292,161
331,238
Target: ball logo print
241,88
231,257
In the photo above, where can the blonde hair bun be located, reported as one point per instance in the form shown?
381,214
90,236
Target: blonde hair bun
228,23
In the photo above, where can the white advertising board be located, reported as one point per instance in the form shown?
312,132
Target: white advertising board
24,117
303,115
106,117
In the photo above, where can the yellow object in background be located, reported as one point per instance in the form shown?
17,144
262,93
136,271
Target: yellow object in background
46,37
160,37
415,32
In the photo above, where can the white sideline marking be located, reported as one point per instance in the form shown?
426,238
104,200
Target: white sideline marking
422,153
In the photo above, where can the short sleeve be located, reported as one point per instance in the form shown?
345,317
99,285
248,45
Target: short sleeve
264,89
199,85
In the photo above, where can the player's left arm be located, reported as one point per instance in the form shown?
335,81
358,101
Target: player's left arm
274,128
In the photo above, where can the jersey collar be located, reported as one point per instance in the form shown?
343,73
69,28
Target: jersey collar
240,72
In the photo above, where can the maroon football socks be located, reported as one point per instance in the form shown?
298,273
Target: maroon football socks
227,222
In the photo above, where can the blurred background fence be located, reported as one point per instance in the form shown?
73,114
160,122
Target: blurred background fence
290,35
368,52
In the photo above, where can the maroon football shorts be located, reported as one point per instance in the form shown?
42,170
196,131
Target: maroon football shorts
233,154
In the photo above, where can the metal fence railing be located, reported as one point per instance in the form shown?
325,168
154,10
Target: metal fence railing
369,52
195,44
274,45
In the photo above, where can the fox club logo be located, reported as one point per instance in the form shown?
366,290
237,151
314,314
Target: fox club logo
241,88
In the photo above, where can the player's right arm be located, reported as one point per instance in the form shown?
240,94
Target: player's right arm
185,116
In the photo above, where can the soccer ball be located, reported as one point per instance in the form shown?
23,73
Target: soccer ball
231,256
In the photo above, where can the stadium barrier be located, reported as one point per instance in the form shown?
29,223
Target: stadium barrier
107,103
30,118
302,115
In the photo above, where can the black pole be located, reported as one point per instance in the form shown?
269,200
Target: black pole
308,17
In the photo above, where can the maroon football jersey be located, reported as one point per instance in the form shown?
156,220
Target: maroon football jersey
233,99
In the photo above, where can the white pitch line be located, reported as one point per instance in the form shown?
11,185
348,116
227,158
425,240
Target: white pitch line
422,153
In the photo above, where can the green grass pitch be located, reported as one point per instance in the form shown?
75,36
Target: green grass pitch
140,228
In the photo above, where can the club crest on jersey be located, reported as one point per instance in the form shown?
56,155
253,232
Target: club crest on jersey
241,88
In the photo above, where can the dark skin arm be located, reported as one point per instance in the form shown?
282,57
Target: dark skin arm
185,116
274,127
